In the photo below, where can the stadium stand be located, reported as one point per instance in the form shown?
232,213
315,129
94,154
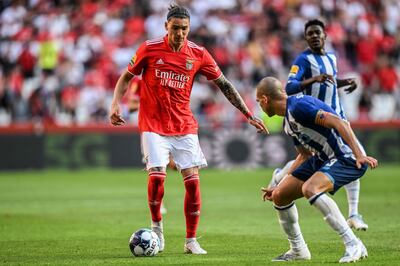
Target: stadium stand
60,59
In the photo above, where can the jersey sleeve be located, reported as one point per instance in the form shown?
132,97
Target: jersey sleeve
137,62
305,111
296,74
309,111
209,67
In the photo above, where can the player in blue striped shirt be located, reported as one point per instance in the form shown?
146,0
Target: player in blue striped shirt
314,73
329,157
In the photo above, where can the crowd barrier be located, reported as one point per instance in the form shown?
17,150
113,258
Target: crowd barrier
39,147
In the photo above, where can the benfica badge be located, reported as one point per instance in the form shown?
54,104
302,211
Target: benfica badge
189,64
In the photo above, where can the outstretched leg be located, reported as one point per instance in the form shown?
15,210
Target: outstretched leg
355,220
192,207
155,194
283,196
314,190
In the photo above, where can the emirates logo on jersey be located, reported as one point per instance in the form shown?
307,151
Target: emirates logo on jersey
172,79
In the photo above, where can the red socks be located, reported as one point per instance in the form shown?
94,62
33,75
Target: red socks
192,204
155,193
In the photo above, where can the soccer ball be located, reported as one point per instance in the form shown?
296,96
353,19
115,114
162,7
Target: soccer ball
144,242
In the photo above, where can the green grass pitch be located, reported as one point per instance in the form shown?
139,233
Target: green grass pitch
86,217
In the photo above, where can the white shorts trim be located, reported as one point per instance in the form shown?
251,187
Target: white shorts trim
185,150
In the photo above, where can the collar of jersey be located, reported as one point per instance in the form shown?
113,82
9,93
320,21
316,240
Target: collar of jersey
183,49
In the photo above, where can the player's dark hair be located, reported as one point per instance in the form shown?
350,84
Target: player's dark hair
312,22
177,11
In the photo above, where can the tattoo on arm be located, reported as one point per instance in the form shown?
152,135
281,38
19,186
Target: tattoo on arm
231,94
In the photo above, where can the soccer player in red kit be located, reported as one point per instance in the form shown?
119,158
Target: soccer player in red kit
168,66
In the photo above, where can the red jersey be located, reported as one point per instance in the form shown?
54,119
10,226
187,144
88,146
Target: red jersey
167,79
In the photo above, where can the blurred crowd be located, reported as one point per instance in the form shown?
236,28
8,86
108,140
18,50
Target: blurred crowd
60,59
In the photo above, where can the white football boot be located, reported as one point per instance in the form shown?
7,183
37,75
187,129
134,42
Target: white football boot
193,247
354,253
159,231
364,251
356,222
290,255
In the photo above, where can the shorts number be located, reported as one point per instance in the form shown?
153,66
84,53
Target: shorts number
332,162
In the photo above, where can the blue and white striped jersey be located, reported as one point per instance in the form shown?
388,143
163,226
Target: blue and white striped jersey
300,123
308,65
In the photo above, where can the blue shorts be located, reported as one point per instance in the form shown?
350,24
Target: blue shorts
340,171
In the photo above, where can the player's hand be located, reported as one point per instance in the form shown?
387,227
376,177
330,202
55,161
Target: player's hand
371,161
258,123
324,78
267,193
352,85
115,116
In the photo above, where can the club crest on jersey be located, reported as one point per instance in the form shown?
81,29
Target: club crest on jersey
189,64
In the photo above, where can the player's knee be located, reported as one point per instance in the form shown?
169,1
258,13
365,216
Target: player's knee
189,171
279,198
308,190
157,169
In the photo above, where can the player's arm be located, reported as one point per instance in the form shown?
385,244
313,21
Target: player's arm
294,87
302,155
236,100
350,84
119,91
133,104
296,82
330,120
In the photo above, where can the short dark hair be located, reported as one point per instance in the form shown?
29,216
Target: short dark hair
177,11
314,22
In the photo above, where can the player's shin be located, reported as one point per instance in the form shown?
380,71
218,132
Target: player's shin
289,221
192,204
155,194
353,192
333,217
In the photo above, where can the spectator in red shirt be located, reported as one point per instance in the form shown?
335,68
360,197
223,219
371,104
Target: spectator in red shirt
387,76
27,61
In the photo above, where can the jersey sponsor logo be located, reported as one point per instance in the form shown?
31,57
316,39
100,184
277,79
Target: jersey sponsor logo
172,79
305,144
304,138
294,69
